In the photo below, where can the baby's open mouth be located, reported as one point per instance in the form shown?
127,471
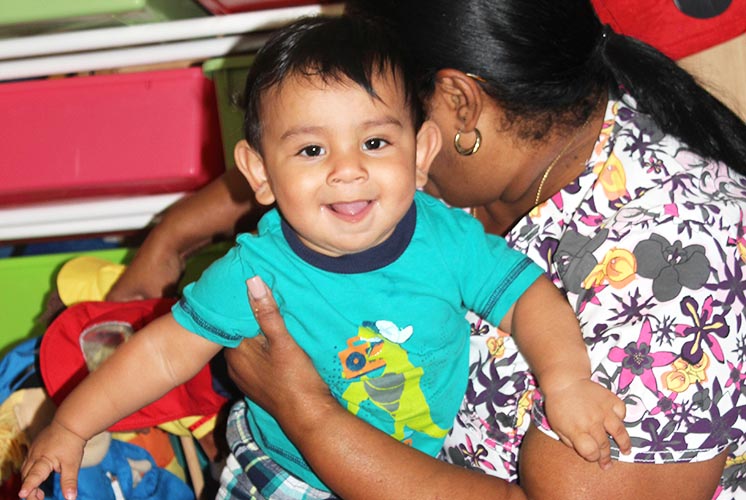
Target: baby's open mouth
350,208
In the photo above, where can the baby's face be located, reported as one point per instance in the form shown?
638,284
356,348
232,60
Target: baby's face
340,163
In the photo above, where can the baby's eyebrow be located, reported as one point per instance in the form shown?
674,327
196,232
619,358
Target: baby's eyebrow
300,130
389,120
377,122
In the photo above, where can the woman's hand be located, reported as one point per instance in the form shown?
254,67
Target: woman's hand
356,460
154,272
272,369
213,213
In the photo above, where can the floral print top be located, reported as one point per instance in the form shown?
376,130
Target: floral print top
649,246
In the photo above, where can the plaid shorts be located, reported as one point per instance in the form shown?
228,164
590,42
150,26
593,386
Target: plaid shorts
249,474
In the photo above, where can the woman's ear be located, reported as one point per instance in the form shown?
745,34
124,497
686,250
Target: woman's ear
461,95
428,146
251,165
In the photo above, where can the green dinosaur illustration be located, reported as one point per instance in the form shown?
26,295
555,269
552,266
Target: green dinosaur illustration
396,391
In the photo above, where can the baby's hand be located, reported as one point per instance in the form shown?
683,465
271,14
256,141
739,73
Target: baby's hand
55,449
584,414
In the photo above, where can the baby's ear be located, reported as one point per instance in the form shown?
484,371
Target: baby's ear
251,165
428,147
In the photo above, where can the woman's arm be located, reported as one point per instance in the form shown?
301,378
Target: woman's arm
216,211
274,372
353,458
549,469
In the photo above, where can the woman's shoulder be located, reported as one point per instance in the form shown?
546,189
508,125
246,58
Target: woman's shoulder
689,191
645,170
636,139
645,208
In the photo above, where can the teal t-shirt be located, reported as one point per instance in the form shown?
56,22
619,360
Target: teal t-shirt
385,328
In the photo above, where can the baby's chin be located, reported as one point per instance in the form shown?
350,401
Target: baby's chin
352,244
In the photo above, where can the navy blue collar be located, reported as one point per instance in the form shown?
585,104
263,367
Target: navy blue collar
374,258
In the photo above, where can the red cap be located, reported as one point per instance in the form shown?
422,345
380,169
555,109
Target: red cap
84,333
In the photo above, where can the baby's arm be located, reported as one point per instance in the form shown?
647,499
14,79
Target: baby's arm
156,359
581,412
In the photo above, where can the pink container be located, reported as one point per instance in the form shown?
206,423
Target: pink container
234,6
123,134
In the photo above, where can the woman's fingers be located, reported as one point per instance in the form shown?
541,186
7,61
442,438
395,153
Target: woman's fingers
265,309
272,369
248,367
268,367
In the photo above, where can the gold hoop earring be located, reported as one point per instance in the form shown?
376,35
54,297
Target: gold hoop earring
467,151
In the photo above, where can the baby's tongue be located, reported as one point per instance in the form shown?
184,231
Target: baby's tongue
350,208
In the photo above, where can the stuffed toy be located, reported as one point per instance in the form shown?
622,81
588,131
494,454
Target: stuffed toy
125,472
139,463
110,470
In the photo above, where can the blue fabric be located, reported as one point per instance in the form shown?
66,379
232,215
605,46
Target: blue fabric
156,484
390,340
65,246
18,366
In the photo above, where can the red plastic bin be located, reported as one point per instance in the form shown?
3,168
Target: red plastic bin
235,6
122,134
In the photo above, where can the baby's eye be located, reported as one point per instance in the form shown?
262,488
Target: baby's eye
375,143
311,151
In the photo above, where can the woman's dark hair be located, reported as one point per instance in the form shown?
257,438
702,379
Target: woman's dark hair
547,61
333,49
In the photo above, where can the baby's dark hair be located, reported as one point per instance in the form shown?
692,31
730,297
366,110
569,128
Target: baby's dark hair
331,48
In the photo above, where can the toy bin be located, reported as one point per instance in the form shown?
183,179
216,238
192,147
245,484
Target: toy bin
229,75
112,215
234,6
31,17
26,284
122,134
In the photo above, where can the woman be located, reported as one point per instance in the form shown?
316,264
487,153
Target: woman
606,164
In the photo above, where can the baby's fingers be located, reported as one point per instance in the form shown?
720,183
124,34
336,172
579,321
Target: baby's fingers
37,471
617,430
604,452
593,447
36,494
583,444
69,484
69,478
34,473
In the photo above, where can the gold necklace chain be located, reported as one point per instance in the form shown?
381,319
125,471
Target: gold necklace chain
557,158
